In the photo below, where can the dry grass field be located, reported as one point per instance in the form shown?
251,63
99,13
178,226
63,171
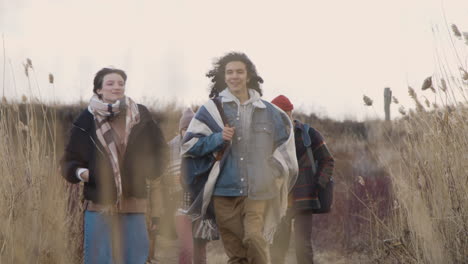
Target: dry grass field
400,196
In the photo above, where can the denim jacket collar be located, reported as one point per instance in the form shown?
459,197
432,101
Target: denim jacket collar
255,99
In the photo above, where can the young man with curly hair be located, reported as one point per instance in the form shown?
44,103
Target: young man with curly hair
249,190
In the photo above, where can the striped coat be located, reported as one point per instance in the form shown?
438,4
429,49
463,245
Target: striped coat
206,127
305,191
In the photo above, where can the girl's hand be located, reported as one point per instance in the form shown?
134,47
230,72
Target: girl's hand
85,175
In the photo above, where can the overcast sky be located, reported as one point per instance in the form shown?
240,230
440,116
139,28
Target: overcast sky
324,55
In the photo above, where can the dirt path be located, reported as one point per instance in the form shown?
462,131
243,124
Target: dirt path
167,254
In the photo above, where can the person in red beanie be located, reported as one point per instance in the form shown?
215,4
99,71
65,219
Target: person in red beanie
304,195
283,102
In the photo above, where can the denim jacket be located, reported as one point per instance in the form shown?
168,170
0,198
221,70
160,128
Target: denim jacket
248,171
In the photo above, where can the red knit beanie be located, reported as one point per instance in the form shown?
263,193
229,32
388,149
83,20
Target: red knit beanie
283,102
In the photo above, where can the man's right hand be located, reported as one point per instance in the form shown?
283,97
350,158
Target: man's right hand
228,132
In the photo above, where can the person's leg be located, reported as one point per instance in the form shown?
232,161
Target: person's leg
254,240
229,220
183,226
134,238
199,251
303,235
97,238
153,243
280,245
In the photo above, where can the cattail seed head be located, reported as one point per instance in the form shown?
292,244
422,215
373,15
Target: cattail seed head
414,96
402,110
427,83
456,32
51,78
443,85
26,69
450,109
29,62
411,92
367,100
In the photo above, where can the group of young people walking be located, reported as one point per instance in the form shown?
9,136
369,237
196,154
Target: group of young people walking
239,171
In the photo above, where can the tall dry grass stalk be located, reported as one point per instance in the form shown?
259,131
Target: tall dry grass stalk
37,225
430,175
427,158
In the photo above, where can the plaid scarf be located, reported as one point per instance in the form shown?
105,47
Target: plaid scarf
102,113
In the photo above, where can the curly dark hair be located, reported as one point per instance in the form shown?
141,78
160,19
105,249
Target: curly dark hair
219,66
99,78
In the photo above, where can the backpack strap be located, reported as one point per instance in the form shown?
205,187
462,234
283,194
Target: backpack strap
305,135
219,105
308,144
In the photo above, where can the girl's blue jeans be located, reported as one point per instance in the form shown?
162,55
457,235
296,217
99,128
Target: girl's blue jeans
115,239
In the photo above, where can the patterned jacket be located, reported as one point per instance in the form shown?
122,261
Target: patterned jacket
305,190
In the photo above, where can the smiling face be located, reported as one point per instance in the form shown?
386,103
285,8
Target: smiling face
113,88
236,77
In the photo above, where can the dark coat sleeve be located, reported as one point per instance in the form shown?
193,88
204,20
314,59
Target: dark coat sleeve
76,154
159,149
322,155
